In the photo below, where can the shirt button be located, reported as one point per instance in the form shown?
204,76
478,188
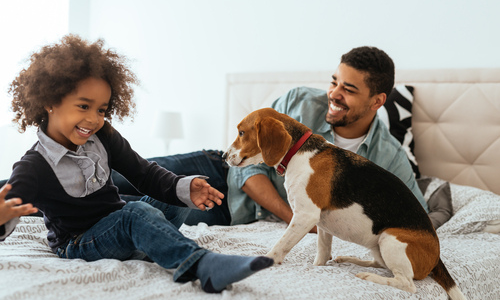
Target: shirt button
94,180
259,214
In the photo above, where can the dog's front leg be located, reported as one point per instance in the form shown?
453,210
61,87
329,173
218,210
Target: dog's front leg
301,224
324,253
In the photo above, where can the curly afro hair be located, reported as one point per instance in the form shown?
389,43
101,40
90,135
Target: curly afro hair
376,63
55,72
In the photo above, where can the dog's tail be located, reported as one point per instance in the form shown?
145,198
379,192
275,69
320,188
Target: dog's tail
444,279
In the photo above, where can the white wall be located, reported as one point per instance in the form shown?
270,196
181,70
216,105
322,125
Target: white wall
182,50
25,25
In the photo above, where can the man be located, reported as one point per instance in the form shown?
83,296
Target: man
345,115
359,87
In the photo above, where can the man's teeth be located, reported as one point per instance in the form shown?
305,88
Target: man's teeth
337,108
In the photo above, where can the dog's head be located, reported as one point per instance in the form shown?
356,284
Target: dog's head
261,137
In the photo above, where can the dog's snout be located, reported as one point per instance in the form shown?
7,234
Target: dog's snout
224,156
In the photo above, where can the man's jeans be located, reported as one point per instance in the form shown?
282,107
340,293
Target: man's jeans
206,162
141,228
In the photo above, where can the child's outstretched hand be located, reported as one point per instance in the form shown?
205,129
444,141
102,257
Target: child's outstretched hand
203,195
11,208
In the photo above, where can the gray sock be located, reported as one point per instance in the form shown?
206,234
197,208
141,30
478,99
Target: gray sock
217,271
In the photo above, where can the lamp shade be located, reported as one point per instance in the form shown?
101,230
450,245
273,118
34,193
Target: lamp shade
167,125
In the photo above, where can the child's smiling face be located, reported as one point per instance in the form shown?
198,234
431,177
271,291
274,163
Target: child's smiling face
80,114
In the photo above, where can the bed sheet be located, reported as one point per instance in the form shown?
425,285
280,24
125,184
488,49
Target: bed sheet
29,270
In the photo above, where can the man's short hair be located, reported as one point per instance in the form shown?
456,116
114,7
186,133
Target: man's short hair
376,63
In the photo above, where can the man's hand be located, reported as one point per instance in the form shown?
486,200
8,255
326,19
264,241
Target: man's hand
262,191
11,208
203,195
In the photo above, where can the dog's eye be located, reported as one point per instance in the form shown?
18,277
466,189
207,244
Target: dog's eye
241,133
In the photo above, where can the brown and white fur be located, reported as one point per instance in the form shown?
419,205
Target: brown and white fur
347,196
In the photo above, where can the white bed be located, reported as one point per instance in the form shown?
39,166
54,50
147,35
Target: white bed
469,247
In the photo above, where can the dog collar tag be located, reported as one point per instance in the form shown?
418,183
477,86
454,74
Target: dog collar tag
281,169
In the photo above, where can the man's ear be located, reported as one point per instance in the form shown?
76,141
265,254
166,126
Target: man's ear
378,101
272,139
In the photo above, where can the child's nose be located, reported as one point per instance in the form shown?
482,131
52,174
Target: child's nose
92,117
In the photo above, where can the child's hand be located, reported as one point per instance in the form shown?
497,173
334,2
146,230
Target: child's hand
203,195
10,209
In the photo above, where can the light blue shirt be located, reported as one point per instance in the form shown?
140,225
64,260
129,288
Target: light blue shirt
80,172
309,106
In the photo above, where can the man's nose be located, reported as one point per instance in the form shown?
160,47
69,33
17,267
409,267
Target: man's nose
334,92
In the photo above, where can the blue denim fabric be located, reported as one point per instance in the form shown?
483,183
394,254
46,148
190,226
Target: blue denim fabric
141,228
206,162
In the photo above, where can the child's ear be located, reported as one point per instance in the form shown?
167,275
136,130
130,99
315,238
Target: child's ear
48,109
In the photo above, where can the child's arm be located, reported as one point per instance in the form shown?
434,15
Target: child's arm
203,195
12,208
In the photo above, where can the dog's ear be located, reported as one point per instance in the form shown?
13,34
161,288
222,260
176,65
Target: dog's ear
272,139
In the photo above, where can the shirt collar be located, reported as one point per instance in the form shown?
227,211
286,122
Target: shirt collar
369,137
56,151
371,132
324,128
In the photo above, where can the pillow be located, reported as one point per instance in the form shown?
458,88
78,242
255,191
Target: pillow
396,114
474,210
437,194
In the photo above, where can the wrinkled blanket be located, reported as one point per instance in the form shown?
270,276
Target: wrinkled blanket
29,270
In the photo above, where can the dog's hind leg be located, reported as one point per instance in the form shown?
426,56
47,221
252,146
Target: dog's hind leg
302,222
324,253
376,263
394,256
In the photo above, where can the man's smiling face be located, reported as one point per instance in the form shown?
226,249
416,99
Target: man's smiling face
349,99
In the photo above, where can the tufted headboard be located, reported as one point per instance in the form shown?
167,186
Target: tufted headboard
456,116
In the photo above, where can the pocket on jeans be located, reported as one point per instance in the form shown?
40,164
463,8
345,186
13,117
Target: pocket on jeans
85,250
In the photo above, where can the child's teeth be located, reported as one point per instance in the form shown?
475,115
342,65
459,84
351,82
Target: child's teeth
86,131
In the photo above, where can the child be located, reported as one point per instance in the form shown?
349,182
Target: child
10,211
71,91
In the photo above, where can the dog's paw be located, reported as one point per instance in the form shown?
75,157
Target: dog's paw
405,284
343,259
321,261
277,260
364,275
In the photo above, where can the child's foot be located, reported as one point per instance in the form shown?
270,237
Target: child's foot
217,271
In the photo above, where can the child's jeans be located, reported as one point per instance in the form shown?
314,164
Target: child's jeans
141,228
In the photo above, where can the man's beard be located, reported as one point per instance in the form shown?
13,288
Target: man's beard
347,120
339,123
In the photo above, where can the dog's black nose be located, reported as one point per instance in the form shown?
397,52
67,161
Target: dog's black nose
224,156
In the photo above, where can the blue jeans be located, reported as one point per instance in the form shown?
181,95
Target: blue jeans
206,162
145,228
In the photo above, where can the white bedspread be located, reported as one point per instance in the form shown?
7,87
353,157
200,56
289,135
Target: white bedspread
29,270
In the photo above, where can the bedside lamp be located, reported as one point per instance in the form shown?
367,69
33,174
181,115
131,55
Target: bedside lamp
168,126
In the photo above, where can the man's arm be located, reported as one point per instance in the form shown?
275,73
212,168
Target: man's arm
262,191
400,166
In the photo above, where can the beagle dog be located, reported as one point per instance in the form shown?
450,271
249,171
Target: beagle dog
345,195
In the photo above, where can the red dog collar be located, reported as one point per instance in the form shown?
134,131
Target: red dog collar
282,166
